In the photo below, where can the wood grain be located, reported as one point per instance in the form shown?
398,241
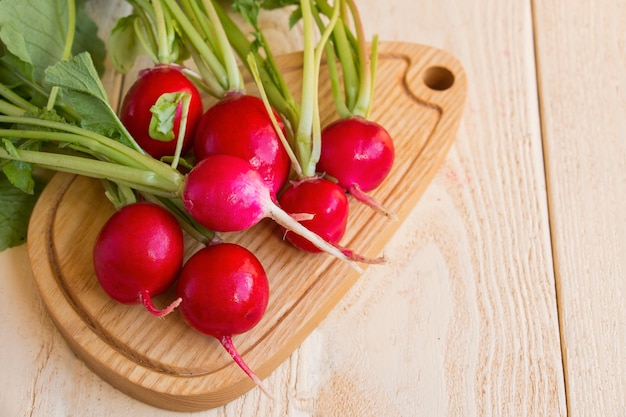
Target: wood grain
585,147
165,363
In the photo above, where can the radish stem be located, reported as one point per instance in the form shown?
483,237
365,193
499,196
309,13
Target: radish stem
204,51
67,48
289,223
136,178
254,70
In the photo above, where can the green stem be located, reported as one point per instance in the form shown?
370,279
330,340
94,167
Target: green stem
185,103
95,147
198,43
198,232
275,87
365,94
316,147
163,49
254,70
205,79
333,72
308,137
143,27
67,49
119,195
139,159
139,179
303,131
228,56
15,99
344,52
373,67
10,109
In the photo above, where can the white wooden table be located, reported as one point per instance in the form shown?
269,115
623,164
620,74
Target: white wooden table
504,291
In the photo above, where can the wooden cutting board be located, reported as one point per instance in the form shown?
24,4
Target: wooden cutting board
420,95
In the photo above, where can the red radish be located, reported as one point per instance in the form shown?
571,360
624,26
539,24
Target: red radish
225,193
224,292
304,121
138,109
357,152
239,125
138,254
326,201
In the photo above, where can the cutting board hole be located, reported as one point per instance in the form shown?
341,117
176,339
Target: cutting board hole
438,78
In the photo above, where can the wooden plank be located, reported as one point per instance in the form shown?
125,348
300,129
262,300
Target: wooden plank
479,255
582,78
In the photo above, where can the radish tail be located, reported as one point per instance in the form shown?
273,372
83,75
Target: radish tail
227,342
284,219
360,258
146,300
356,191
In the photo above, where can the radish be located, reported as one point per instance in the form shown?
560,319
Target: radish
158,92
161,108
225,193
138,254
224,292
328,204
305,120
239,125
357,152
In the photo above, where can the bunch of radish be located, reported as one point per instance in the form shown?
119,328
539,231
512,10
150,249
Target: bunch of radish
183,170
351,155
240,162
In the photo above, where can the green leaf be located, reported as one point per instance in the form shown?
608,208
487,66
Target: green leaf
84,91
277,4
295,17
124,46
36,38
24,55
86,38
164,114
249,10
20,176
15,210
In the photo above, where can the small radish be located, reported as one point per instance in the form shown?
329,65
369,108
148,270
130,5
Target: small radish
328,204
357,152
305,122
138,254
161,108
224,292
154,107
225,193
239,125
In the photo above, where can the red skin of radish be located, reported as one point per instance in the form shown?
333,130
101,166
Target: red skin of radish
224,292
138,254
326,201
143,94
239,125
357,152
224,193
